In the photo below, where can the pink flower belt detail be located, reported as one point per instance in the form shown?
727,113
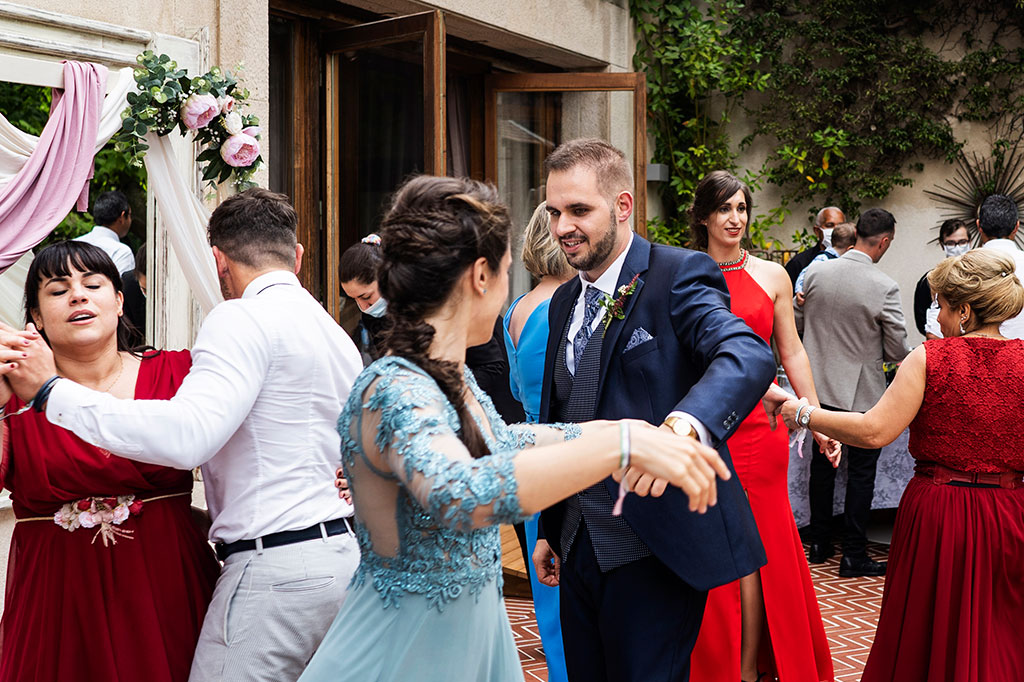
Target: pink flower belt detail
102,513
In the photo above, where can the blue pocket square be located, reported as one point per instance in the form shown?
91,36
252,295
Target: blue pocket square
640,335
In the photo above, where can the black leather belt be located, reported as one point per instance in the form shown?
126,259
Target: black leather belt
287,537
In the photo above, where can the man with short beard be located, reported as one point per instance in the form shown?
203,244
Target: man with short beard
633,586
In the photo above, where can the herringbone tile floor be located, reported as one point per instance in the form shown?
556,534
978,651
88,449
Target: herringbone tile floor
849,608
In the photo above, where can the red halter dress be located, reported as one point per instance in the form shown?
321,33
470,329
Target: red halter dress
794,648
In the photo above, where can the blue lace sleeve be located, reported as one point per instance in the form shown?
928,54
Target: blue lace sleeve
417,435
529,435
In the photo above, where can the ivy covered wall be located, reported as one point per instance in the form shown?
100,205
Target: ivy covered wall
835,101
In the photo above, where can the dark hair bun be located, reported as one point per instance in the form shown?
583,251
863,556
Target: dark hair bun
436,228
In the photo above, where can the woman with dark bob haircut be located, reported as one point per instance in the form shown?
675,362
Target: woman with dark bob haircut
109,577
433,468
953,606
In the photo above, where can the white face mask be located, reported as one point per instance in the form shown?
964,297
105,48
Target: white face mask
956,250
826,237
378,309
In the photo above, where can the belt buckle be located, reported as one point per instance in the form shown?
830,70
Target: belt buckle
941,476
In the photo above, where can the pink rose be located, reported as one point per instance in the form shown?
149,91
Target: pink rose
198,110
87,519
252,131
227,103
120,513
240,150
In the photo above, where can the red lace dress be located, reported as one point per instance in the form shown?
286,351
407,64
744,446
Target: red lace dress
794,648
953,607
74,608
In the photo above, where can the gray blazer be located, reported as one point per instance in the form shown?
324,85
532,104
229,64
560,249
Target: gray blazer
851,321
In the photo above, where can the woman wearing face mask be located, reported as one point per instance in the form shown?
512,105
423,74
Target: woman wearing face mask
358,269
955,241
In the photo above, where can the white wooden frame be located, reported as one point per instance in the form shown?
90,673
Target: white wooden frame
32,44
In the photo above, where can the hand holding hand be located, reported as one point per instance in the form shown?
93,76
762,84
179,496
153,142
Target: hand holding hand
789,410
641,483
341,483
772,400
546,563
679,460
27,361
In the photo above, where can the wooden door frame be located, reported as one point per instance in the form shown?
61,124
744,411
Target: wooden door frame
575,82
425,26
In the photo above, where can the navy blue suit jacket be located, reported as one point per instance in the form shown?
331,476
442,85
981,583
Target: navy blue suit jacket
702,360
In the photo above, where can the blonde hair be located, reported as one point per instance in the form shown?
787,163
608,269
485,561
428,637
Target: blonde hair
985,280
541,253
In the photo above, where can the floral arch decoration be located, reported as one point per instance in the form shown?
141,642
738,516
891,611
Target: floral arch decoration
210,106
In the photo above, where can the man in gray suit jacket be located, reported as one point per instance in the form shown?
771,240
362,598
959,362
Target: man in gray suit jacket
852,321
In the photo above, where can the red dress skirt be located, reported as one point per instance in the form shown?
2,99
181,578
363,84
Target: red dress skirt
76,608
953,606
795,648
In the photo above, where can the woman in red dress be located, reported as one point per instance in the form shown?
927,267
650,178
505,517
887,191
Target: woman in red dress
766,625
953,606
108,577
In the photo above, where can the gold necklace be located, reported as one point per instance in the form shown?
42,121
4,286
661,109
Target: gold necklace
985,336
119,372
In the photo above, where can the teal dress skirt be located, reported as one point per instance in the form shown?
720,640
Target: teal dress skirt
526,378
425,603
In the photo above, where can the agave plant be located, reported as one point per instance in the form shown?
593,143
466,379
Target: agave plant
977,177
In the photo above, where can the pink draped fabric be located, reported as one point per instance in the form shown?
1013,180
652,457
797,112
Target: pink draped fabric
56,176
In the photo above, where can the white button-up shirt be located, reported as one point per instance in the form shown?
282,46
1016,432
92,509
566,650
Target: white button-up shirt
606,283
107,239
270,373
1014,327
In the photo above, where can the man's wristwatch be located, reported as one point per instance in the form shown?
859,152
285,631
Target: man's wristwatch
805,416
681,427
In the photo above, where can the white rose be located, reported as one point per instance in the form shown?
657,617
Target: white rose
233,123
120,513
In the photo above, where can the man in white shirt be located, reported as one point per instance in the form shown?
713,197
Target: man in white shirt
271,371
998,222
113,216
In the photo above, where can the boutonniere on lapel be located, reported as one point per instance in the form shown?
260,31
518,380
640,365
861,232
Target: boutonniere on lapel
614,309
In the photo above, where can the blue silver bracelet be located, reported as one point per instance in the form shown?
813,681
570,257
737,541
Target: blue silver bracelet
44,393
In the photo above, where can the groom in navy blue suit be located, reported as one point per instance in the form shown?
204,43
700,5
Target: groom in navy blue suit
633,587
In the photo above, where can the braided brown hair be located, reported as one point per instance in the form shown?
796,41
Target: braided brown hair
436,228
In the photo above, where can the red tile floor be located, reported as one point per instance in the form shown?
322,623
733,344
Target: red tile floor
849,608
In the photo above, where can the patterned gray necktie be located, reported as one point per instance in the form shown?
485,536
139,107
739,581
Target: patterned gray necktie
579,343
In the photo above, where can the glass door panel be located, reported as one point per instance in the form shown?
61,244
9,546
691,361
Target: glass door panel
385,121
531,114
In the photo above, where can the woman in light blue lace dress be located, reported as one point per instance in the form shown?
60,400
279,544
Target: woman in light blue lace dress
432,467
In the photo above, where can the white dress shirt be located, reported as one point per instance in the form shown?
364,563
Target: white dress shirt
270,373
606,283
1014,327
107,239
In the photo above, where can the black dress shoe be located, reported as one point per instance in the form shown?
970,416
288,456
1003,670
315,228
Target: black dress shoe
856,567
819,554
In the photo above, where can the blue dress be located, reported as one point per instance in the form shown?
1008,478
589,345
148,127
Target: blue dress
425,603
526,377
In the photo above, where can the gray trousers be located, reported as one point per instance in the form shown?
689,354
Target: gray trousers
271,608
